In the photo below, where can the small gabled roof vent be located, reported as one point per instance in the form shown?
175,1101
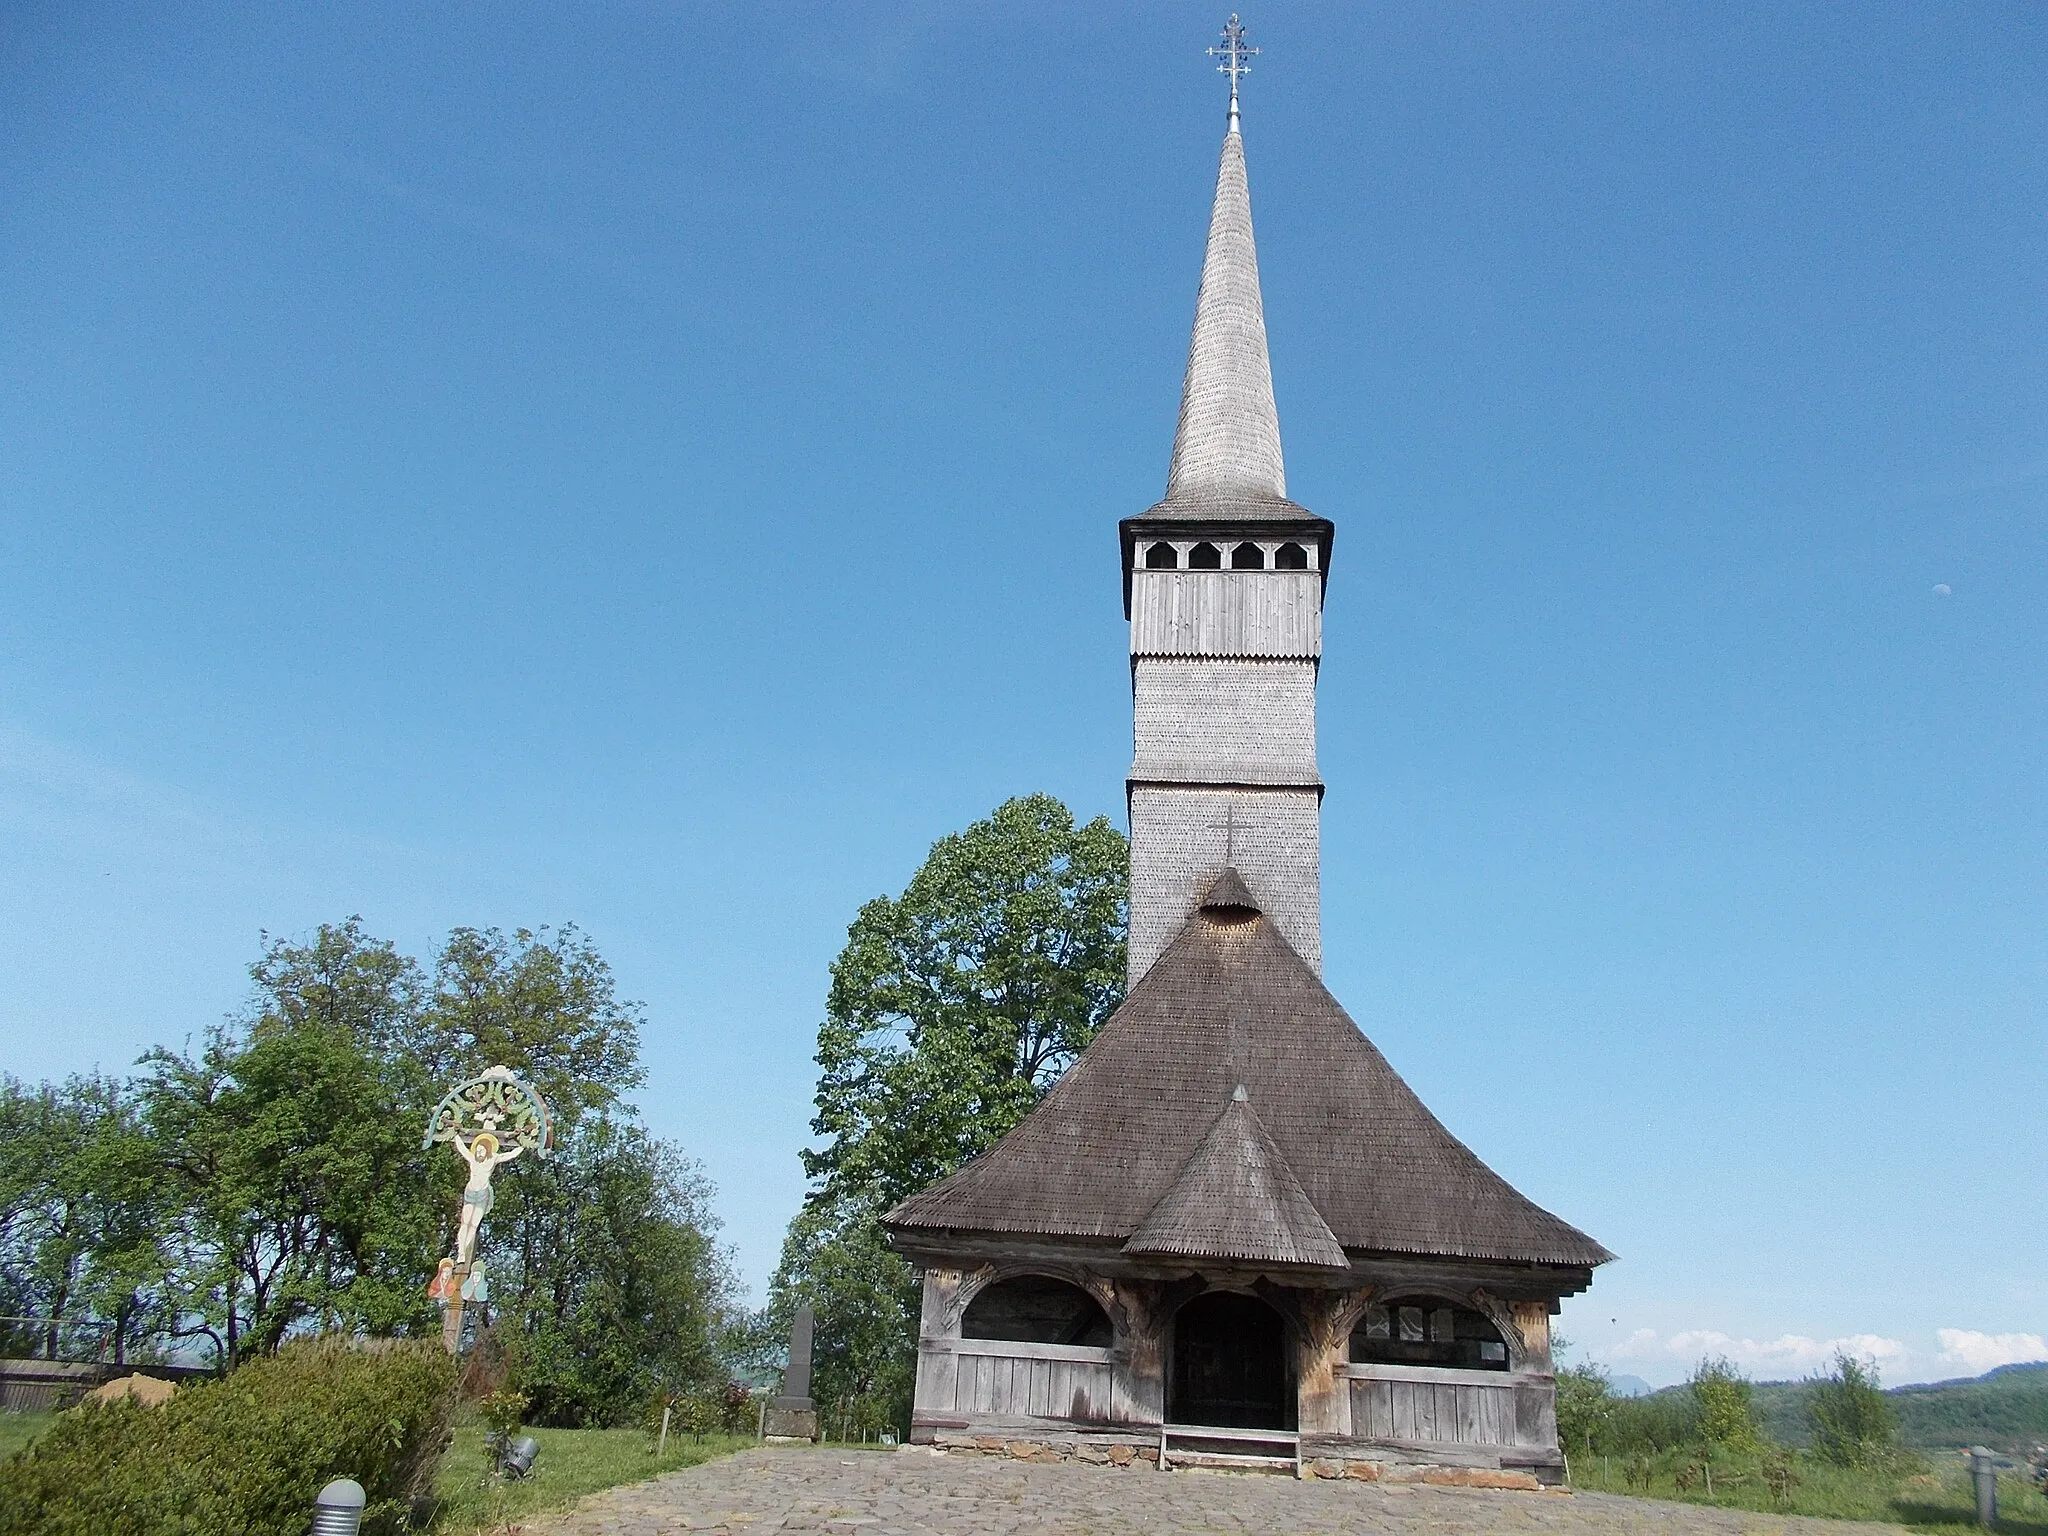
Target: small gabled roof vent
1229,895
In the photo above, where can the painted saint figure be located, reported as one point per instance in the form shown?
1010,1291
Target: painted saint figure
441,1289
483,1154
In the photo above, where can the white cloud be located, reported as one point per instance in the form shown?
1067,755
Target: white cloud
1787,1352
1986,1351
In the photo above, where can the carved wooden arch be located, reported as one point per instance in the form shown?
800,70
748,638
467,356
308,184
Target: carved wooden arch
1345,1316
1098,1290
1502,1316
1323,1320
1480,1300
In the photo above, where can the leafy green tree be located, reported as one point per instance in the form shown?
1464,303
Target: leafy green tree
81,1224
955,1006
1585,1405
270,1182
543,1003
349,982
951,1010
605,1269
301,1186
1727,1412
1854,1424
865,1297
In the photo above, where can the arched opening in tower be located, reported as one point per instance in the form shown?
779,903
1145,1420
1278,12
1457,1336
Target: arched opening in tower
1205,557
1247,557
1232,1367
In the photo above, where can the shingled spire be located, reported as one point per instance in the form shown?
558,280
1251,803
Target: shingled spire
1228,441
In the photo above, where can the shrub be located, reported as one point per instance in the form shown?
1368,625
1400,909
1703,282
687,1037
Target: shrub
1854,1424
503,1411
243,1456
1781,1476
1727,1414
735,1408
702,1415
1585,1403
1662,1421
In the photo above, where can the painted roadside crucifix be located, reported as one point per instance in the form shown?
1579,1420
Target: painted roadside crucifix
488,1121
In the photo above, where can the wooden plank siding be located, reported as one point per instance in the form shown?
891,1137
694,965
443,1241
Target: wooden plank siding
1032,1381
1442,1407
1226,613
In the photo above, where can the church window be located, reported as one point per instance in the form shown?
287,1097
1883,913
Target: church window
1161,557
1421,1331
1247,557
1290,557
1205,557
1036,1309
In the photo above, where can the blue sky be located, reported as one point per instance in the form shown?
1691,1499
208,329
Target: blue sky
506,464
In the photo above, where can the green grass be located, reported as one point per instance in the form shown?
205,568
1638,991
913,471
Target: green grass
572,1462
17,1429
1929,1495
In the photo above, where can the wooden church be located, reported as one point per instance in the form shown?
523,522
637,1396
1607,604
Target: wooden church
1231,1234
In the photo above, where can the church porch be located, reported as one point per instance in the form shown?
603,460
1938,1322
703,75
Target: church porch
1104,1360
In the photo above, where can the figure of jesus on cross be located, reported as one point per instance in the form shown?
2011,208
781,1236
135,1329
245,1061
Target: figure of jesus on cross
483,1154
510,1119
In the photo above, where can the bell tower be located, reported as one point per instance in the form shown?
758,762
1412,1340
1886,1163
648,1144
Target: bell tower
1223,587
1085,1277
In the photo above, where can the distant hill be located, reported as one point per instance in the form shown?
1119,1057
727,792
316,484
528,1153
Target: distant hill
2006,1409
1629,1386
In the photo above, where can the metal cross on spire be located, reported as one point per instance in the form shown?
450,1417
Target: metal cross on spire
1236,55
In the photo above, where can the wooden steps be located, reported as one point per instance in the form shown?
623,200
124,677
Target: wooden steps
1229,1449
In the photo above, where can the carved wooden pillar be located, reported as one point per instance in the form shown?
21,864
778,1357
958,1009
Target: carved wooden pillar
1535,1399
1138,1395
1323,1321
1532,1322
938,1367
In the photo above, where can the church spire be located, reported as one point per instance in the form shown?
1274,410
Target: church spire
1228,439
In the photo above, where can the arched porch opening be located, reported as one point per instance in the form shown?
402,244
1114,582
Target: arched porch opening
1037,1309
1232,1366
1428,1330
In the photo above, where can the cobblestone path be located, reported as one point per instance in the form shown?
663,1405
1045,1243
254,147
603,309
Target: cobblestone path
913,1493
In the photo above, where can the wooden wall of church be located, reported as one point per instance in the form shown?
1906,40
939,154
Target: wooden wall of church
1417,1405
1010,1380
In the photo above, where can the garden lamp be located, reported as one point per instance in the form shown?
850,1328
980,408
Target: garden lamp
519,1456
338,1510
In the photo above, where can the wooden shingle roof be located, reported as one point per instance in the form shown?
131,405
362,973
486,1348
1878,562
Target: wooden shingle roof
1228,438
1231,1003
1236,1198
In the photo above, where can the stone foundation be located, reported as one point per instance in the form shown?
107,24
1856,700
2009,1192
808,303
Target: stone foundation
1114,1450
1109,1450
